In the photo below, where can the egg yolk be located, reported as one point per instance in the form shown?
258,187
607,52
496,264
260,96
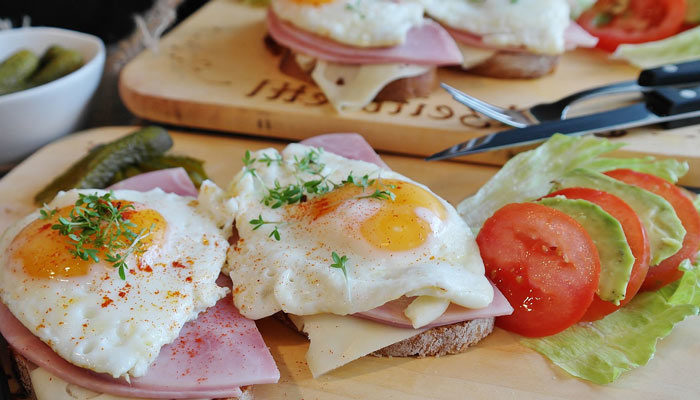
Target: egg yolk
46,253
396,226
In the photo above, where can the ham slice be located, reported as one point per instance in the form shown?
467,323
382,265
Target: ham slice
213,356
354,146
391,313
574,36
348,145
427,44
171,180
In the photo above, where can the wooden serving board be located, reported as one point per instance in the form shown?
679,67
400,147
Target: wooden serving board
497,368
213,71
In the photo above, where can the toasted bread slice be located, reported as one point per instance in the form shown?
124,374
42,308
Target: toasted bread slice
516,65
438,341
24,367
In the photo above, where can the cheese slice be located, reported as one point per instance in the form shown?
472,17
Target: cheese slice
337,340
425,309
473,55
351,87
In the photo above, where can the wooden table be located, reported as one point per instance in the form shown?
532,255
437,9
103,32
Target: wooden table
497,368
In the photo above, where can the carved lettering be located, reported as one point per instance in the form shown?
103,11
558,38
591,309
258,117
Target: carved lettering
319,99
443,112
373,107
397,110
258,88
418,110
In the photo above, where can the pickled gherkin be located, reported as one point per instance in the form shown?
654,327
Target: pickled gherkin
16,69
98,168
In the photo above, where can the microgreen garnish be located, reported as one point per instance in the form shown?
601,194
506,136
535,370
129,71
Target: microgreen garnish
248,162
355,8
317,184
97,224
259,222
340,263
267,160
47,213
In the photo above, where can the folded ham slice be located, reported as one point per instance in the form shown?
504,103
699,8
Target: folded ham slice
213,356
427,44
354,146
574,36
171,180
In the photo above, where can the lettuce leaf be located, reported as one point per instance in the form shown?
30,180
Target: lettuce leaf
670,170
684,46
530,175
602,350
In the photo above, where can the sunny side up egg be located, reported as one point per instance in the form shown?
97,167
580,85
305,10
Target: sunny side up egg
83,310
536,25
391,236
358,23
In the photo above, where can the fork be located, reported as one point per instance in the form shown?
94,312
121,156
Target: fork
672,74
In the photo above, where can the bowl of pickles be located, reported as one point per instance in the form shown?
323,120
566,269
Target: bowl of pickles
47,79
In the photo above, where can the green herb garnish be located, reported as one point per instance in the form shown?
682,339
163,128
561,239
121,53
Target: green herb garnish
96,224
340,263
260,222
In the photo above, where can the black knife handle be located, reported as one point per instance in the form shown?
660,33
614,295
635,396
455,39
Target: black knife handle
671,100
671,74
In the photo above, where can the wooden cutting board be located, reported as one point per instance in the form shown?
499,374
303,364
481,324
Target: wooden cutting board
213,71
497,368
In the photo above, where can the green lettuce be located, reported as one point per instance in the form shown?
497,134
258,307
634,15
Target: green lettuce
684,46
670,170
601,351
530,175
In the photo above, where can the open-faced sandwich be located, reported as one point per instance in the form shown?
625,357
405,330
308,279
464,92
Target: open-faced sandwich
119,292
510,38
359,51
360,258
598,256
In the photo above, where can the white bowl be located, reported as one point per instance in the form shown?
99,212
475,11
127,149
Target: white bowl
34,117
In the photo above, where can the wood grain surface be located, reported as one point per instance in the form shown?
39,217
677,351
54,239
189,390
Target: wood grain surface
213,71
497,368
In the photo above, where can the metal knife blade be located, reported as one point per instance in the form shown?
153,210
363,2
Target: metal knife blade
667,104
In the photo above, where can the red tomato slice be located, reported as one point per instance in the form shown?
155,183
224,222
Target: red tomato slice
667,271
545,264
636,238
613,22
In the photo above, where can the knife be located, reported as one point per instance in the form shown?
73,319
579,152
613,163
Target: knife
660,105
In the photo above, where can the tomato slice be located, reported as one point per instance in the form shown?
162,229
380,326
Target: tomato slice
615,22
636,238
545,264
667,271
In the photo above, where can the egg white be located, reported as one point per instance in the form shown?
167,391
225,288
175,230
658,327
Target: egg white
537,25
295,275
122,336
362,23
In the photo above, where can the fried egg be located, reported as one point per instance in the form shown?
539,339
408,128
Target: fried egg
361,23
537,25
89,315
359,237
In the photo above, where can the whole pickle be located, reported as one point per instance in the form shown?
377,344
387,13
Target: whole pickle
97,169
16,69
57,62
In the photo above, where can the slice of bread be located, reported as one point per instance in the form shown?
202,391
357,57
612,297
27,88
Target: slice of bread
24,368
400,90
516,65
435,342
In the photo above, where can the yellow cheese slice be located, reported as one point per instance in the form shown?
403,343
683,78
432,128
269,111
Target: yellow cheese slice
473,55
337,340
351,87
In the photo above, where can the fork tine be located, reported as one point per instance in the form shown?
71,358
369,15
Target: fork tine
482,107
